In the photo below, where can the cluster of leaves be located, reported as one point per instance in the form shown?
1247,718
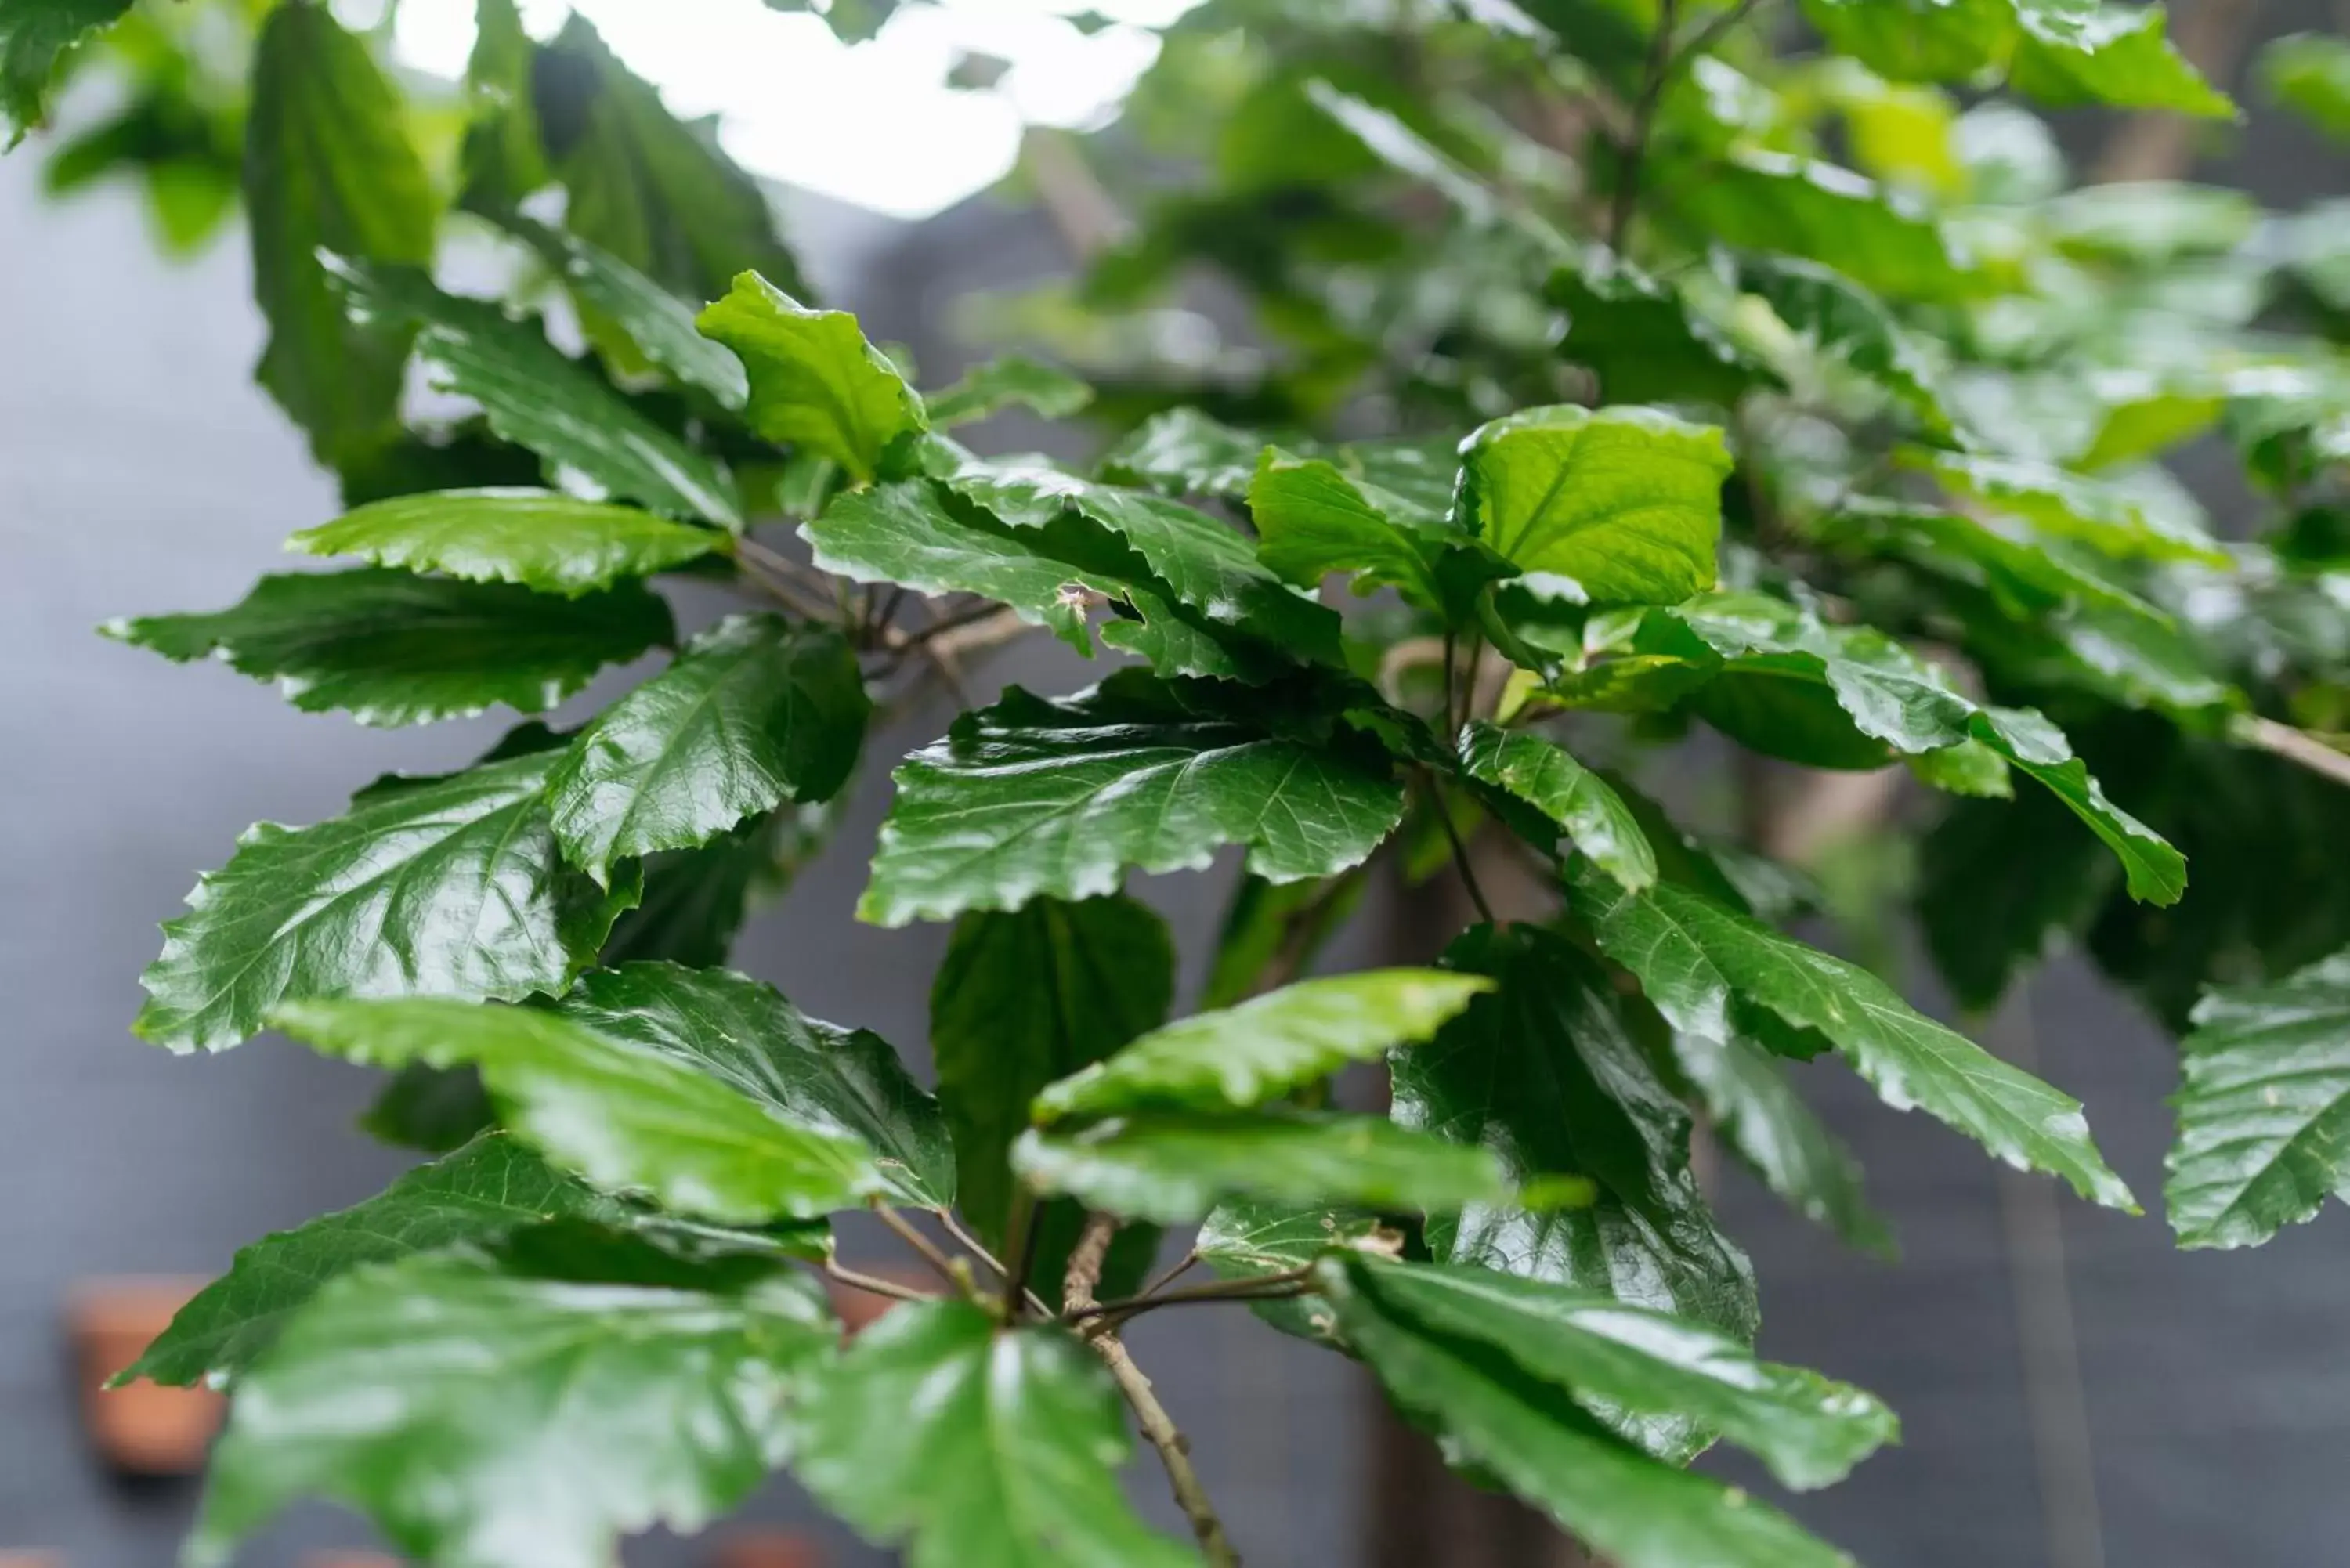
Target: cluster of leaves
1674,421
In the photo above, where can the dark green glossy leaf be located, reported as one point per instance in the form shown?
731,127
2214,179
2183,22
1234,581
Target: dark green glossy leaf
1836,317
2070,507
1024,998
535,396
390,648
1031,797
756,711
1493,1413
417,1390
695,900
653,190
1185,453
1173,1166
1646,339
623,1114
1619,1361
35,38
1002,1449
1772,201
2263,1108
1258,1049
539,539
1013,381
433,1109
1705,967
1625,501
1205,564
1999,885
1547,777
635,321
386,900
1547,1074
482,1191
808,1072
1269,921
328,166
1762,1119
816,383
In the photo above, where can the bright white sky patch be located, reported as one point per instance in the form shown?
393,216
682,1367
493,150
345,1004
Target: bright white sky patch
872,123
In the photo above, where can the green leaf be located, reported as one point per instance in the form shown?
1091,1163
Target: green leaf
1033,797
2059,51
1758,1113
1264,921
1772,201
695,900
816,383
1205,563
1247,1240
390,648
1494,1413
1002,1449
2263,1108
915,533
1625,501
328,166
417,1391
652,189
1617,1361
809,1073
1838,317
1704,967
635,320
618,1112
2309,73
539,539
386,900
37,37
1186,452
2155,872
1013,381
756,712
535,396
485,1189
1022,999
2027,575
1547,1074
1646,339
1312,520
1585,806
430,1109
1240,1056
2070,507
1173,1166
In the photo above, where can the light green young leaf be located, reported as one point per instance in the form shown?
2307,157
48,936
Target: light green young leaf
1547,1074
2069,507
816,382
1625,501
1022,999
1031,797
328,166
1617,1361
37,37
1547,777
418,1390
756,712
1704,966
384,901
1638,1512
2059,51
1244,1056
480,1192
1002,1450
2263,1108
1247,1240
809,1074
2309,73
537,397
391,647
616,1110
539,539
1014,380
1173,1166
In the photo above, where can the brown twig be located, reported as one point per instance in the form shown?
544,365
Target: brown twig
2298,746
1086,1261
909,1233
875,1286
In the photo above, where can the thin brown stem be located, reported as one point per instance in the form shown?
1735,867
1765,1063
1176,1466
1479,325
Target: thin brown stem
911,1233
875,1286
1291,1281
1459,852
2297,746
1644,124
1182,1266
1086,1260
